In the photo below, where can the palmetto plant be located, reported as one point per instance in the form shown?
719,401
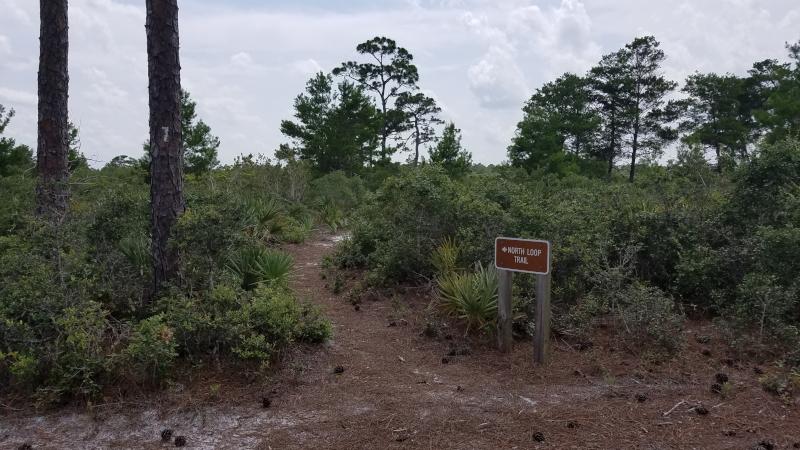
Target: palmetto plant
445,257
263,217
255,265
330,214
471,297
136,249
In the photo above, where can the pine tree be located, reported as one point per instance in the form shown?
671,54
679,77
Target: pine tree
449,154
712,115
421,116
391,74
646,103
166,152
558,120
52,191
335,129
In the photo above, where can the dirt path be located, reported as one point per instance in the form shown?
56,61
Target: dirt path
396,391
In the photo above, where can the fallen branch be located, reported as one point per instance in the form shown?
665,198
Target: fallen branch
674,407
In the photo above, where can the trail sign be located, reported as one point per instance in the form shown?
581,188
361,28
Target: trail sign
527,256
522,255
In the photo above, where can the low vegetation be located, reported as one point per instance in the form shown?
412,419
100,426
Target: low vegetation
75,317
684,240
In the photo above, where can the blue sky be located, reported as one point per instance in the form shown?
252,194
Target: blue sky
245,60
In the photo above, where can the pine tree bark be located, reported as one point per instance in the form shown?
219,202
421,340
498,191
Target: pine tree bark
52,190
612,150
634,149
416,141
634,146
166,153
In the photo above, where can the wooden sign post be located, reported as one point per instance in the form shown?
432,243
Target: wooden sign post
526,256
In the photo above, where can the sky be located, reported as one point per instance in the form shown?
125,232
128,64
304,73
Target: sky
244,61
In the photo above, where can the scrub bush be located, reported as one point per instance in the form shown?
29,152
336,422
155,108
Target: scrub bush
74,319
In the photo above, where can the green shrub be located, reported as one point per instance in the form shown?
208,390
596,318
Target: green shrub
314,328
766,188
263,218
73,315
79,357
397,230
337,189
700,274
151,351
252,325
202,323
272,319
643,316
765,307
213,226
649,319
296,231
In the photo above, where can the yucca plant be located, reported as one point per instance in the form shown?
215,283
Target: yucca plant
471,297
256,265
445,257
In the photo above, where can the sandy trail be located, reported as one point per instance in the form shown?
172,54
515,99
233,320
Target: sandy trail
397,392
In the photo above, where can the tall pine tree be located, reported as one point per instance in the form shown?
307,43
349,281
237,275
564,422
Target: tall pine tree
389,72
712,115
166,142
421,116
52,148
645,99
558,121
334,129
449,153
610,85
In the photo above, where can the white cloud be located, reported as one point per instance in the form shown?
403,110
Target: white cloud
18,98
102,90
307,67
496,79
242,59
244,64
5,45
16,12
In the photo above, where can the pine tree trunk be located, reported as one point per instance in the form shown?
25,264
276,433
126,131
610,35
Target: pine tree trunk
384,128
611,149
612,144
719,160
52,191
633,159
166,154
634,148
416,142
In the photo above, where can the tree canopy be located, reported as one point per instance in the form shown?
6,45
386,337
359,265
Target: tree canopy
336,127
13,157
388,72
449,153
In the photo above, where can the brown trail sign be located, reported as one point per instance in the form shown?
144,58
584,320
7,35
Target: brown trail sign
522,255
527,256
